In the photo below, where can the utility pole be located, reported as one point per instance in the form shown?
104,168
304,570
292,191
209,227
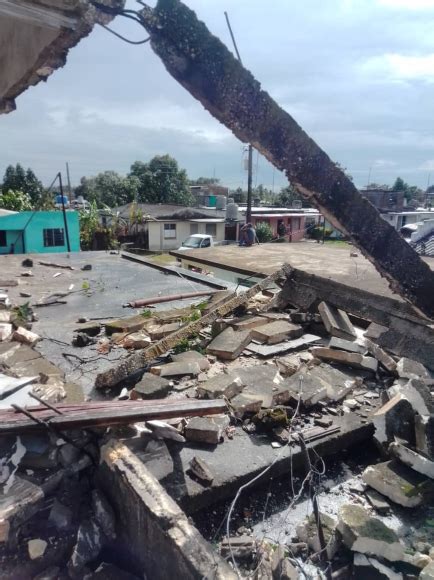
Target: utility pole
69,183
65,221
250,148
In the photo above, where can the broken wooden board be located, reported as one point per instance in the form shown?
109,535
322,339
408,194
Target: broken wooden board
206,68
139,360
104,414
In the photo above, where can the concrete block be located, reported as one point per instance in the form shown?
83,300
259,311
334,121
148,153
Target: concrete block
372,569
229,344
367,535
428,572
269,350
355,360
159,332
307,531
136,340
19,502
336,321
5,330
411,369
193,356
248,322
203,430
152,387
177,369
394,419
130,324
277,331
381,355
397,482
337,383
309,388
25,336
223,385
244,404
348,345
419,395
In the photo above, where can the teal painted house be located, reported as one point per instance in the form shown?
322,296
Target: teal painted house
31,232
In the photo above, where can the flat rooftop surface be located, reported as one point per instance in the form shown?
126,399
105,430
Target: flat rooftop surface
329,260
98,293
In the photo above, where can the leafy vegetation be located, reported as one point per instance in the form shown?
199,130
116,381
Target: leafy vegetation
15,200
264,233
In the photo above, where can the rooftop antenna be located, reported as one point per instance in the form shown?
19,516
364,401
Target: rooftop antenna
250,148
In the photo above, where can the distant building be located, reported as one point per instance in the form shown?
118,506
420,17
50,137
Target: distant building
296,221
403,218
161,227
210,195
385,200
38,232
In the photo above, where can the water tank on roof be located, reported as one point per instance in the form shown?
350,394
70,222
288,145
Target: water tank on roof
232,211
220,202
297,204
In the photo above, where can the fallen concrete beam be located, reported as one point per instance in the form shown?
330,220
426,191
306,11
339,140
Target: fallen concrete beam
204,66
139,360
153,532
406,334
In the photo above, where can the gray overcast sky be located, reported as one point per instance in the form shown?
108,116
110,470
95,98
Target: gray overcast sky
357,75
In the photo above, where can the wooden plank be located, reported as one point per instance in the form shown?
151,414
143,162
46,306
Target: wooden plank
83,415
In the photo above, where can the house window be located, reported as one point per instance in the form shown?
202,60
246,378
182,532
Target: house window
3,241
169,231
194,229
54,237
211,229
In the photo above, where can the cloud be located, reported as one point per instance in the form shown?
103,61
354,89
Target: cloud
427,165
407,4
399,67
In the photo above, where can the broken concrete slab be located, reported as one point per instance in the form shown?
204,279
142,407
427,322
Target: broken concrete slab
223,385
246,404
229,344
348,345
282,568
428,572
412,459
177,369
25,336
88,546
136,340
377,501
355,360
424,435
152,387
5,316
265,383
336,321
18,503
242,547
163,430
419,395
367,535
381,355
248,322
394,419
203,430
397,482
277,331
151,523
411,369
36,548
337,383
157,458
193,356
200,469
307,388
268,350
92,328
60,516
372,569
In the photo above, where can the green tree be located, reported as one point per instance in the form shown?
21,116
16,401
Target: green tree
264,233
204,181
287,195
410,191
162,181
108,189
15,200
17,179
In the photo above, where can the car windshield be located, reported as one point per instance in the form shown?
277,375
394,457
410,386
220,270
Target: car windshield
192,242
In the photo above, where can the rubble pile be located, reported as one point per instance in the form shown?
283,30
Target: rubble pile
289,379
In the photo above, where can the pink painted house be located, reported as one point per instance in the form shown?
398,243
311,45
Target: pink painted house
296,221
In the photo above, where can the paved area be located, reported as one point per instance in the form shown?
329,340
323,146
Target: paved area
325,260
98,293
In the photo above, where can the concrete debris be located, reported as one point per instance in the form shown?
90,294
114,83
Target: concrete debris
88,546
412,459
5,331
377,501
162,430
336,321
130,324
242,547
307,532
203,430
107,571
36,548
348,345
229,344
394,419
372,569
201,470
17,504
25,336
51,573
156,457
355,360
424,435
60,516
282,569
419,395
269,350
136,340
223,385
9,385
411,369
246,404
428,572
337,383
397,482
52,391
5,316
192,356
104,514
381,355
277,331
248,322
367,535
177,369
151,387
159,332
307,388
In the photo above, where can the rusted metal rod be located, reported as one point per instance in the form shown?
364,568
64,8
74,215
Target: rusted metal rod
160,299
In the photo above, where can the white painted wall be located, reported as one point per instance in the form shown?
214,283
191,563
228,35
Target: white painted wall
159,243
424,229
